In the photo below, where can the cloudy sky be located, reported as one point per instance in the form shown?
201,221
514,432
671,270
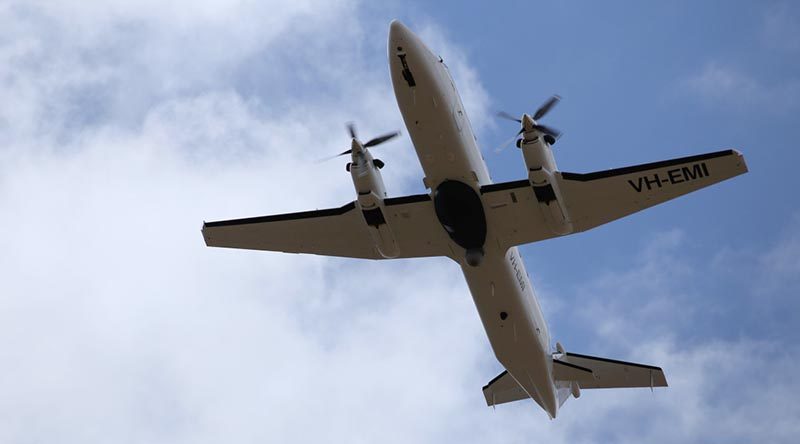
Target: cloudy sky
124,125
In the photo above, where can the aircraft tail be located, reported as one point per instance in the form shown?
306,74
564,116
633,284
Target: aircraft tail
573,372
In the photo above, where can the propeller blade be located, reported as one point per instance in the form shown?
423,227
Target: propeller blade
546,107
351,128
548,130
508,116
380,139
508,142
325,159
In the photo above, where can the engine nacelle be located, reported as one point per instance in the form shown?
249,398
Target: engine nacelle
366,174
368,183
541,166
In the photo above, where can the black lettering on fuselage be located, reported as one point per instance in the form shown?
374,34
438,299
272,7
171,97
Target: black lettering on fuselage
517,273
673,177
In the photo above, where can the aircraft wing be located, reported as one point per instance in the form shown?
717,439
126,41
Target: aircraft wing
596,198
336,231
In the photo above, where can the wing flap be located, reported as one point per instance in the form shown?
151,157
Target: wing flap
513,214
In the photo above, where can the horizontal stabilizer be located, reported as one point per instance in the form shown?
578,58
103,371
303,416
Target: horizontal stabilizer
502,389
610,373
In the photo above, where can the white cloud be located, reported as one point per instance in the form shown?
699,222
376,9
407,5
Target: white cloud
727,85
783,259
658,312
124,125
781,26
749,86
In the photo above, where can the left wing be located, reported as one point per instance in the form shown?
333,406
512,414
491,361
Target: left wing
339,231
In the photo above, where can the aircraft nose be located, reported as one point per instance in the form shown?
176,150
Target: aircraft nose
398,31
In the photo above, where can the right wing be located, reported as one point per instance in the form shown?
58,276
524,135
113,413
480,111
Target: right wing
514,211
597,198
336,231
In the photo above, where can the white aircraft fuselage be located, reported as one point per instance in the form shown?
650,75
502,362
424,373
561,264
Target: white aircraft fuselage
446,146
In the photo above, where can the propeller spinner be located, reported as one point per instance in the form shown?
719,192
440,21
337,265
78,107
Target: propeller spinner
530,123
351,128
357,146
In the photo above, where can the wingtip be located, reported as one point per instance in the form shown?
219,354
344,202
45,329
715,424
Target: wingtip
741,159
205,234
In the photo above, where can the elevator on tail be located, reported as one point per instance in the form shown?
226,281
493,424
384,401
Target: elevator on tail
479,224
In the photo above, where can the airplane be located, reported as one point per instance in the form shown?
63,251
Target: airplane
479,224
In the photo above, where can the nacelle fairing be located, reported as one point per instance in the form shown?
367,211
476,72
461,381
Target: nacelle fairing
371,192
541,168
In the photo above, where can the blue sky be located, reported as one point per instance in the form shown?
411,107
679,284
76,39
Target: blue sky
124,125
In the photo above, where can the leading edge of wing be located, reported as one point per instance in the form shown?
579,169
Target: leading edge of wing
613,361
389,201
281,217
584,177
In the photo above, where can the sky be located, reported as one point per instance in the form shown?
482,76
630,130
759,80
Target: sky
124,125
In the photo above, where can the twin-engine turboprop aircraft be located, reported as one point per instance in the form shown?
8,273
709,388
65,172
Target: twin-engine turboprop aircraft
479,224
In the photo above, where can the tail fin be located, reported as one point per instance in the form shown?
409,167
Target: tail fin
573,372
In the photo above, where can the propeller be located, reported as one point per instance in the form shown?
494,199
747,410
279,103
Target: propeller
351,129
546,107
531,122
